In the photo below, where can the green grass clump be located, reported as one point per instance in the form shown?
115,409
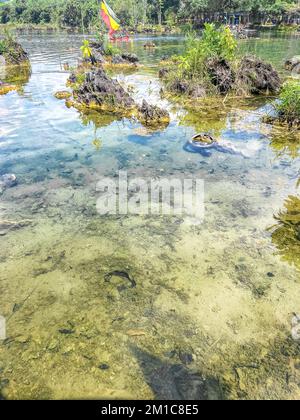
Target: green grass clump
288,107
110,50
214,43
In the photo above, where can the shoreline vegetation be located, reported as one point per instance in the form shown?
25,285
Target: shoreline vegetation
151,29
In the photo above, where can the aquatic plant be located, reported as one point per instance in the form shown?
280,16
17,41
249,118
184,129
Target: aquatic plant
288,107
286,234
86,49
215,43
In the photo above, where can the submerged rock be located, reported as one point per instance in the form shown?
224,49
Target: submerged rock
7,181
257,76
293,64
63,95
151,115
100,91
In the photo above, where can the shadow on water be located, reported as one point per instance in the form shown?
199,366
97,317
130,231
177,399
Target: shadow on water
174,381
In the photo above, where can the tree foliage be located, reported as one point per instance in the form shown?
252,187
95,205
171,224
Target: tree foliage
76,13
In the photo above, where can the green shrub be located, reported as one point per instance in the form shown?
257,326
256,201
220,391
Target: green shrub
214,43
111,50
288,107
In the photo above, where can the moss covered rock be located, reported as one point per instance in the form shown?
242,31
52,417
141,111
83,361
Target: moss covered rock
12,53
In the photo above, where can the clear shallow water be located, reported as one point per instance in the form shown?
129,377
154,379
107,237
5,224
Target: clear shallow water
211,313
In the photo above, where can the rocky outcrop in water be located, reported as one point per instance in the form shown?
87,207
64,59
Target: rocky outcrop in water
125,59
193,90
130,58
293,64
12,53
151,115
221,74
100,91
257,76
101,56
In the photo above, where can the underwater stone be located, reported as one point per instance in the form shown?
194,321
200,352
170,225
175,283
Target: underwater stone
66,331
104,366
7,181
63,95
186,358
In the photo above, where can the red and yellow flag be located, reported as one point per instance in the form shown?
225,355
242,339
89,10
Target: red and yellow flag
109,18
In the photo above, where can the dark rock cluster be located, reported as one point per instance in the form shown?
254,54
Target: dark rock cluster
101,90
